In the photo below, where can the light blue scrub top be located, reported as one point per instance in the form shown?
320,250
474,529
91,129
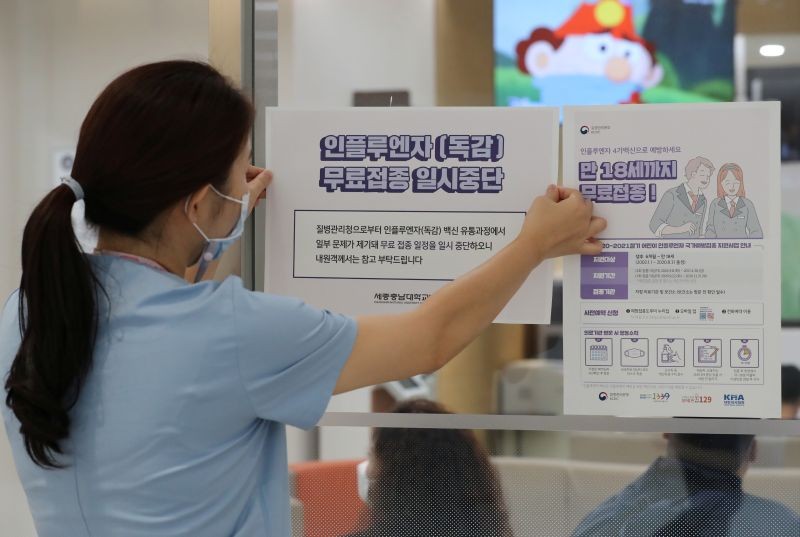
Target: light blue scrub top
179,429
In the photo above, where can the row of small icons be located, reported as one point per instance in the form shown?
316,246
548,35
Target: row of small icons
671,352
704,313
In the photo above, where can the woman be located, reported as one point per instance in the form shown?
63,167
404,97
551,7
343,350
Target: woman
140,404
426,482
732,215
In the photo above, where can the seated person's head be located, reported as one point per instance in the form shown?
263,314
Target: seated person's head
790,391
432,482
730,452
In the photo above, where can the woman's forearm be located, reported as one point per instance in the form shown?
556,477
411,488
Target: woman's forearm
459,311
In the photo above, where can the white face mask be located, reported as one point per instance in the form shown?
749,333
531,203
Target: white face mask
363,480
214,247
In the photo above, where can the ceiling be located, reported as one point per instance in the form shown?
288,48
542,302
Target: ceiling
769,16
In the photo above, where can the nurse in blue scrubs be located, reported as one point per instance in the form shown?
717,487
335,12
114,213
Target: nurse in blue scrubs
140,404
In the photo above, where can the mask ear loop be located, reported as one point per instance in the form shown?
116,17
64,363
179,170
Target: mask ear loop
186,212
220,194
206,257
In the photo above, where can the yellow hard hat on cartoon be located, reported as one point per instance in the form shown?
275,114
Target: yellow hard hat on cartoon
609,13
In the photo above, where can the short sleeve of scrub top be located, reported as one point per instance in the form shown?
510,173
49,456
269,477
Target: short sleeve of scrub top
305,353
180,424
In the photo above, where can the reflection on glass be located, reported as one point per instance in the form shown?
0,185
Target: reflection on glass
422,481
431,482
696,490
790,392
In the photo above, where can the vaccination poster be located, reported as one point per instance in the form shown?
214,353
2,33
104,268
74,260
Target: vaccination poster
680,314
373,210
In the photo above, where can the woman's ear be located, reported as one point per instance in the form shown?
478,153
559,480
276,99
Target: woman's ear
194,202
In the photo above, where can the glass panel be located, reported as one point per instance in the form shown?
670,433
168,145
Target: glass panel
455,482
459,52
523,468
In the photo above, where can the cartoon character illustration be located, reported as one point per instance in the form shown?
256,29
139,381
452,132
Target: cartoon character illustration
732,215
681,209
595,57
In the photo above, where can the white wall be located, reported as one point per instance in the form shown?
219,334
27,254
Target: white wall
328,49
8,147
13,507
55,57
58,55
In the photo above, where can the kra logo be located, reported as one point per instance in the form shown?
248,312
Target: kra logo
603,396
733,399
584,129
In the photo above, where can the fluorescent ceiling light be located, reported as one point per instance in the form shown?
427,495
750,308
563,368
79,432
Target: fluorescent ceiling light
772,51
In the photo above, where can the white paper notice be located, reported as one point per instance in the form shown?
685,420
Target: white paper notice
680,315
373,210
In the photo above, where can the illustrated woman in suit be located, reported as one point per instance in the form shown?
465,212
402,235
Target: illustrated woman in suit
732,215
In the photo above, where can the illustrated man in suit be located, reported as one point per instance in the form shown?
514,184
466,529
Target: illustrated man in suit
732,215
681,209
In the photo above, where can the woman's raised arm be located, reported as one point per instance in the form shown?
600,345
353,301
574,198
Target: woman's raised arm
393,347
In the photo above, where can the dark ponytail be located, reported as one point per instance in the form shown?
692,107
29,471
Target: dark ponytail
58,320
154,136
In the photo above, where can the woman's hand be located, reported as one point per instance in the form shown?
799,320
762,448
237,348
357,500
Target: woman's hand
561,223
258,179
